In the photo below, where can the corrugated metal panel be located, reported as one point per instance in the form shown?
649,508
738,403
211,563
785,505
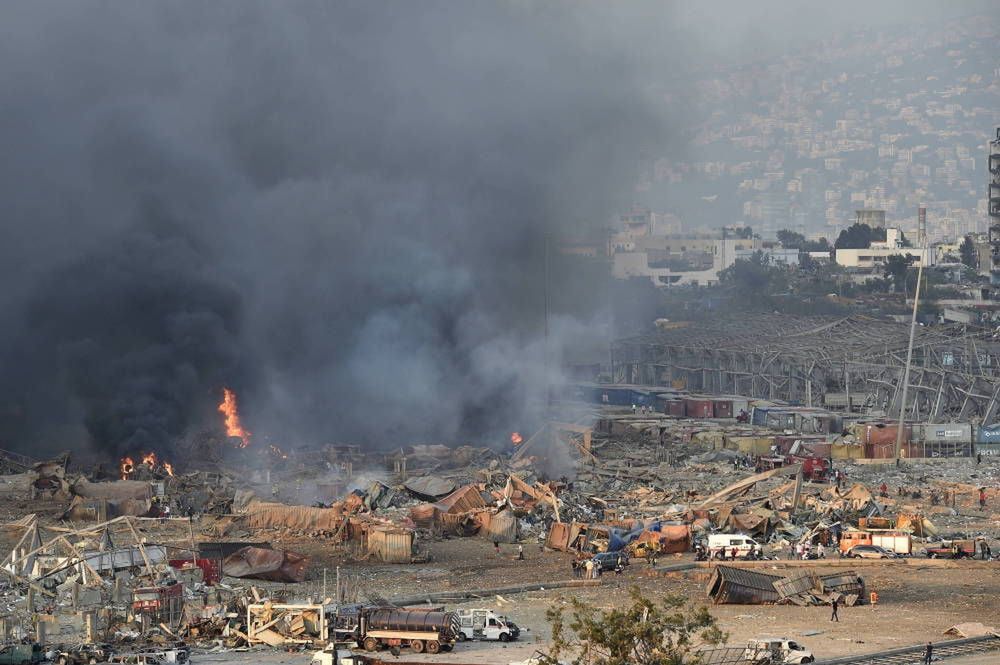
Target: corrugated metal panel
391,545
730,585
501,527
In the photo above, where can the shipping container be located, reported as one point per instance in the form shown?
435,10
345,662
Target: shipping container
987,449
675,407
988,434
698,407
781,420
844,451
391,544
946,433
883,433
722,408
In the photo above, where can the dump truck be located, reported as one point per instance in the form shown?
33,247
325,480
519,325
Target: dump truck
421,630
486,625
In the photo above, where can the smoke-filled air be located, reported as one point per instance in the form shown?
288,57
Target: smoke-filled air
334,212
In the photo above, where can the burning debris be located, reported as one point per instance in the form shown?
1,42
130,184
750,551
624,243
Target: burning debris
234,428
150,464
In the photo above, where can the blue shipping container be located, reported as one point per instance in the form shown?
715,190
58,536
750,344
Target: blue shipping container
990,434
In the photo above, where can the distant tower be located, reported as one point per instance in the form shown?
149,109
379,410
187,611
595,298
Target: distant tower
921,226
993,206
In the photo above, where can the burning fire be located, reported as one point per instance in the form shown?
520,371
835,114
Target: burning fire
516,439
126,465
233,425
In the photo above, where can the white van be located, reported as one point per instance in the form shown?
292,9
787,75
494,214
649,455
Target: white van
723,543
773,650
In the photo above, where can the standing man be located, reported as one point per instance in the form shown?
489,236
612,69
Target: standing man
735,551
928,653
982,498
979,459
496,547
520,552
589,567
835,604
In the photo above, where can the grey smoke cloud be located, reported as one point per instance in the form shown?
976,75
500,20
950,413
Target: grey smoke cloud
336,209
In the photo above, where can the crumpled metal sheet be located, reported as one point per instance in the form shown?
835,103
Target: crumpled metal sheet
269,565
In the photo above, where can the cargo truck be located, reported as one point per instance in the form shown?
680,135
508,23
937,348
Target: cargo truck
420,630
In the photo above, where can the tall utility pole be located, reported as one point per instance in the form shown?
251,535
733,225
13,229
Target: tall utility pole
545,288
993,208
909,358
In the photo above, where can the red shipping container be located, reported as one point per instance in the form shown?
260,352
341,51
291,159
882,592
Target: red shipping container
722,408
675,407
698,408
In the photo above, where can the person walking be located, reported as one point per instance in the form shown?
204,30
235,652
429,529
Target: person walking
520,552
576,568
835,604
928,653
734,552
979,459
496,547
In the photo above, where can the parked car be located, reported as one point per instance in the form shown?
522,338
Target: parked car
609,560
82,653
870,552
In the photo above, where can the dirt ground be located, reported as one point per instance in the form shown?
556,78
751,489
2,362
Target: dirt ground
918,600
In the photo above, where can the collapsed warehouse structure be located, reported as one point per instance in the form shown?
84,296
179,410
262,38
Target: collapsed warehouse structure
853,361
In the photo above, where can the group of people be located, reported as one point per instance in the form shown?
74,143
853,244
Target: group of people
804,550
643,409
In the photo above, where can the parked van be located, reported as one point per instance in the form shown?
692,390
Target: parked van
774,650
486,625
720,545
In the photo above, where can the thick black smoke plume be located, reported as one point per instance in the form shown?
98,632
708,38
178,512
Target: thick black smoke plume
337,209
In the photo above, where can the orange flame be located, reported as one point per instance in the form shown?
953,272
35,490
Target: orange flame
126,465
169,468
149,459
516,439
233,425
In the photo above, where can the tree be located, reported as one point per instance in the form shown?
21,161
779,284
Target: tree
755,276
639,633
791,239
821,245
859,236
895,270
967,250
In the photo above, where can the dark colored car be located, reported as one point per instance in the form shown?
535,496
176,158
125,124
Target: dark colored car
609,560
870,552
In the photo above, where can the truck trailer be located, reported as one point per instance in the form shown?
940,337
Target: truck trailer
420,630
